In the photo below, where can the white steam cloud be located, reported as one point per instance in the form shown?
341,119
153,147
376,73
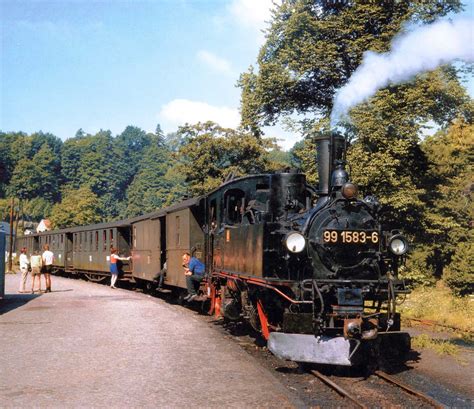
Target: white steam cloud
421,50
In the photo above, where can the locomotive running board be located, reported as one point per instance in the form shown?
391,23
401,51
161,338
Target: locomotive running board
308,348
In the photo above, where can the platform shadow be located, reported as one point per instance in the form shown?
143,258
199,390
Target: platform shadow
13,301
62,291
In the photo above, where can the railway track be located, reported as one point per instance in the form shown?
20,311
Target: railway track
339,389
356,399
409,389
431,323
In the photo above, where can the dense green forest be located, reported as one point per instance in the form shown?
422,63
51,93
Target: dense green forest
424,183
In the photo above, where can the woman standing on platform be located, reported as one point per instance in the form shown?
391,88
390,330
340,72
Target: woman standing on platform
36,267
114,271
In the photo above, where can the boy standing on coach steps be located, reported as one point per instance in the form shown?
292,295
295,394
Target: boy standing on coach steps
48,259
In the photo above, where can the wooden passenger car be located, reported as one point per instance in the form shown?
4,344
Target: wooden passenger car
36,242
154,241
163,237
89,247
84,249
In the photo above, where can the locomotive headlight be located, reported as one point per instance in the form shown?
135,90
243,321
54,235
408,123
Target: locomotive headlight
398,245
349,191
295,242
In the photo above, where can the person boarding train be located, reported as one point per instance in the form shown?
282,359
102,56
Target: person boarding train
114,270
194,272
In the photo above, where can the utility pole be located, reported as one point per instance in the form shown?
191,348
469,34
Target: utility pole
17,217
10,247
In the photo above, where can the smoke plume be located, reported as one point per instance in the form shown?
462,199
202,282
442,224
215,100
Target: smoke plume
417,51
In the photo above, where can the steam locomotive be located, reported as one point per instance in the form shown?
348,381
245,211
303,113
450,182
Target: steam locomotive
318,279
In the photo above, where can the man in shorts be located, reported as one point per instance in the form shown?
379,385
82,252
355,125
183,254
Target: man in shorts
48,260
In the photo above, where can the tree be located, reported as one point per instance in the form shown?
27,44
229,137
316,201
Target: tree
153,183
448,251
313,47
459,274
36,209
386,158
71,156
100,163
132,144
211,153
8,141
36,177
78,207
39,139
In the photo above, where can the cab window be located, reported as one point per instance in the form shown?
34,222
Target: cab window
234,200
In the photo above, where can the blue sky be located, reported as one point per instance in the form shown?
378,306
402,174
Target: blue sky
94,65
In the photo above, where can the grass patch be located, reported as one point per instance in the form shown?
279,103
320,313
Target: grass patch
442,347
439,304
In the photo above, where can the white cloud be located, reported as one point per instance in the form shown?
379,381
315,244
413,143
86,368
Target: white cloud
215,62
251,13
181,111
285,139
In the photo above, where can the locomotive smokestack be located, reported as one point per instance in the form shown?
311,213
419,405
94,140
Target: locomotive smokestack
329,149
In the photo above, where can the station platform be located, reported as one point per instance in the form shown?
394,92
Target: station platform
87,345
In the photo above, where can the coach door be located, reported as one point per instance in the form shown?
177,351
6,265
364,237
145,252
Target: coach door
36,244
68,250
163,252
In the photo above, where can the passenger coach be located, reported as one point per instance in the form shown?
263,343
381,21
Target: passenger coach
155,241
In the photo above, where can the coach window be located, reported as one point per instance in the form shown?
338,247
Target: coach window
96,241
234,200
134,237
111,237
104,239
178,233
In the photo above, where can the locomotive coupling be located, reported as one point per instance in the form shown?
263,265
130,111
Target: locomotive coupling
352,328
360,328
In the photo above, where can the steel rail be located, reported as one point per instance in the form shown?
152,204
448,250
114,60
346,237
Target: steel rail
437,324
337,388
409,389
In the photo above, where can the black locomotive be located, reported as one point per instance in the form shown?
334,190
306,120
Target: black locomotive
319,281
318,278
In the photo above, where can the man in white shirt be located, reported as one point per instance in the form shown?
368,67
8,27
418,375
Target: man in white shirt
48,260
24,264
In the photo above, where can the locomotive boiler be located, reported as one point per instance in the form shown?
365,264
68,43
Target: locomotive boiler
320,281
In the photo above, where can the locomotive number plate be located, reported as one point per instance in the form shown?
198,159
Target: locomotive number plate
370,237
